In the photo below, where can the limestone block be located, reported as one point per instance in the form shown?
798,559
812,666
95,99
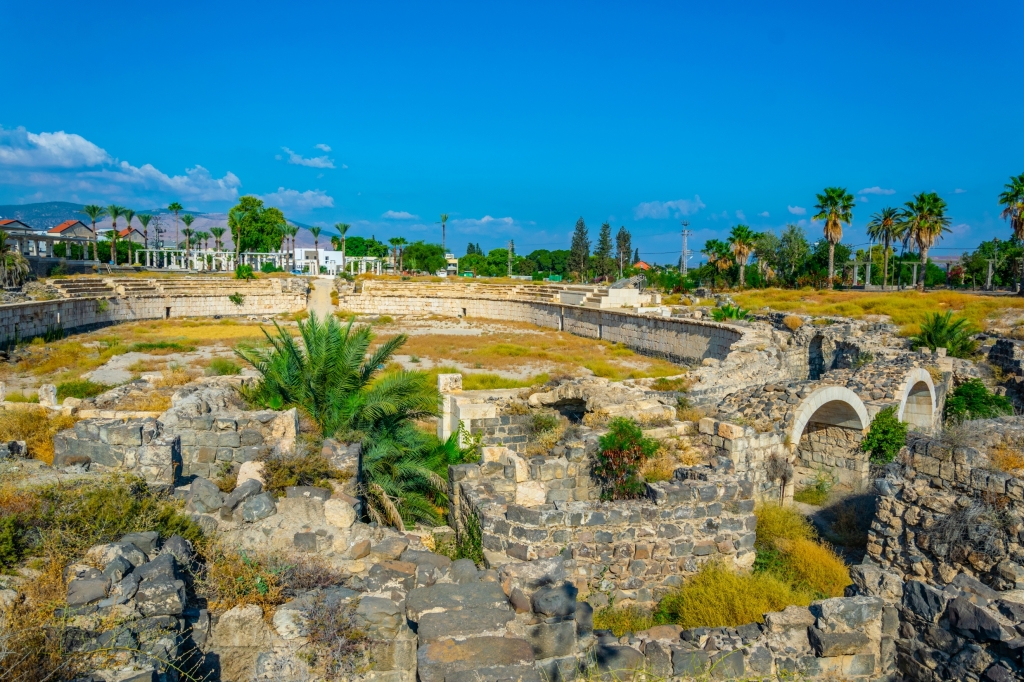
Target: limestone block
522,469
339,513
48,395
530,493
252,470
730,431
448,383
493,453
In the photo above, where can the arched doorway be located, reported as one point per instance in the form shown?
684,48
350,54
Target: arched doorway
826,434
917,406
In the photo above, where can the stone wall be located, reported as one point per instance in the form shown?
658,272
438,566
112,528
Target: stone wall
679,340
834,449
27,320
136,446
748,450
630,550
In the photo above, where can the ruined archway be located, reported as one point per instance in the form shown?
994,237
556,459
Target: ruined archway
825,435
917,401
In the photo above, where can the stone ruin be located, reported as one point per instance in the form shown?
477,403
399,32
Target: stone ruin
939,596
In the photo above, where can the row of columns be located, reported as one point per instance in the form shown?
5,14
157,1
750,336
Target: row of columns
42,247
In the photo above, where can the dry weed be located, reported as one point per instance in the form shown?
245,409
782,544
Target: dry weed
177,375
1007,456
793,322
36,427
143,401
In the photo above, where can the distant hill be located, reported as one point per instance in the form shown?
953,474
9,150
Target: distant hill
47,214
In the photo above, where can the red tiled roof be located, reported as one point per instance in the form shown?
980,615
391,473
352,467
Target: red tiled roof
66,224
8,221
125,231
642,265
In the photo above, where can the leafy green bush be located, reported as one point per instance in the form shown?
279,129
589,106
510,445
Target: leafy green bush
148,346
623,451
237,298
942,331
544,421
816,494
79,388
221,367
467,545
973,400
886,436
12,541
729,312
269,267
244,272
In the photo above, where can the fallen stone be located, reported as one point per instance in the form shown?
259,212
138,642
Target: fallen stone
391,548
552,639
179,548
359,550
790,618
204,496
163,567
464,571
104,554
250,470
584,618
161,597
146,541
243,491
972,585
923,601
82,592
117,569
520,602
658,659
308,492
304,542
424,558
339,513
974,622
618,660
258,507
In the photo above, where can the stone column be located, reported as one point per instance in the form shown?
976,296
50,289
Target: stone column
867,274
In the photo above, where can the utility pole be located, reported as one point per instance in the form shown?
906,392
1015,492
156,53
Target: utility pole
682,259
511,248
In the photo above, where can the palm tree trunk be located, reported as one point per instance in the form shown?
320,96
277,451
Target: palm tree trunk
344,264
95,243
924,268
316,252
885,267
743,269
831,263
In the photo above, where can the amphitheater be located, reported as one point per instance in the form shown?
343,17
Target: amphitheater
776,389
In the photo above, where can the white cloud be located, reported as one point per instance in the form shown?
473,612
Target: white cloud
959,191
322,147
797,210
399,215
862,200
488,225
314,162
22,149
197,184
666,209
877,190
740,215
764,214
299,201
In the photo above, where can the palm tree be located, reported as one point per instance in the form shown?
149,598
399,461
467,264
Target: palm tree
315,231
237,215
741,242
14,267
926,221
343,229
399,243
217,233
188,219
129,215
886,228
95,213
293,231
113,245
144,219
835,207
717,252
444,219
114,211
334,378
394,241
1012,201
174,208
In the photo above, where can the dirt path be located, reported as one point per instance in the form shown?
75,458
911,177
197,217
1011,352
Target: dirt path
319,302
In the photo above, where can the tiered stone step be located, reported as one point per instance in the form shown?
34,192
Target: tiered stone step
83,287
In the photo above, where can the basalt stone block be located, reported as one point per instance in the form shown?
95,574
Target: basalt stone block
82,592
305,542
391,548
618,660
451,597
243,491
420,558
161,597
259,507
838,643
204,496
464,571
557,601
924,601
974,622
659,659
163,567
466,622
179,548
442,660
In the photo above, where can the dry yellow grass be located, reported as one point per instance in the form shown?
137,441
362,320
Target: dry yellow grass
35,426
815,566
509,350
138,401
785,523
793,322
907,309
1007,457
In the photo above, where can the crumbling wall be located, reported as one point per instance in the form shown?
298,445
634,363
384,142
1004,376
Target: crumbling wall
137,446
834,449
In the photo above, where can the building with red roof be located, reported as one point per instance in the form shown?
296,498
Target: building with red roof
71,228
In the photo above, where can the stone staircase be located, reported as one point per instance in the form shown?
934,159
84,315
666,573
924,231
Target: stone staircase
84,287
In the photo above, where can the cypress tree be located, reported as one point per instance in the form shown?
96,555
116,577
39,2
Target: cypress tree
623,247
603,252
636,257
579,252
470,249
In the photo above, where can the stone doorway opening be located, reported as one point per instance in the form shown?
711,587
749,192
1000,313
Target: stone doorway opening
826,437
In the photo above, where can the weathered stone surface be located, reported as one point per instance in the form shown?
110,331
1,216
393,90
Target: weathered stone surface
659,659
558,601
391,548
618,659
974,622
104,554
146,541
792,617
552,639
690,663
161,597
838,643
243,491
424,558
308,492
339,513
464,571
250,470
204,496
451,597
923,601
163,567
258,507
465,622
440,660
179,548
87,591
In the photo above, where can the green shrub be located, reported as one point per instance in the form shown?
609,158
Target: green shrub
79,388
289,470
544,421
942,331
973,400
622,620
148,346
223,367
244,272
237,298
467,545
623,451
886,436
729,312
818,493
12,541
269,267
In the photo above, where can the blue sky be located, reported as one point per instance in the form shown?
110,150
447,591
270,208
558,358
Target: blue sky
516,118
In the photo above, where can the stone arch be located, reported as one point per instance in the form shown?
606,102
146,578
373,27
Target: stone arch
843,408
917,400
825,435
